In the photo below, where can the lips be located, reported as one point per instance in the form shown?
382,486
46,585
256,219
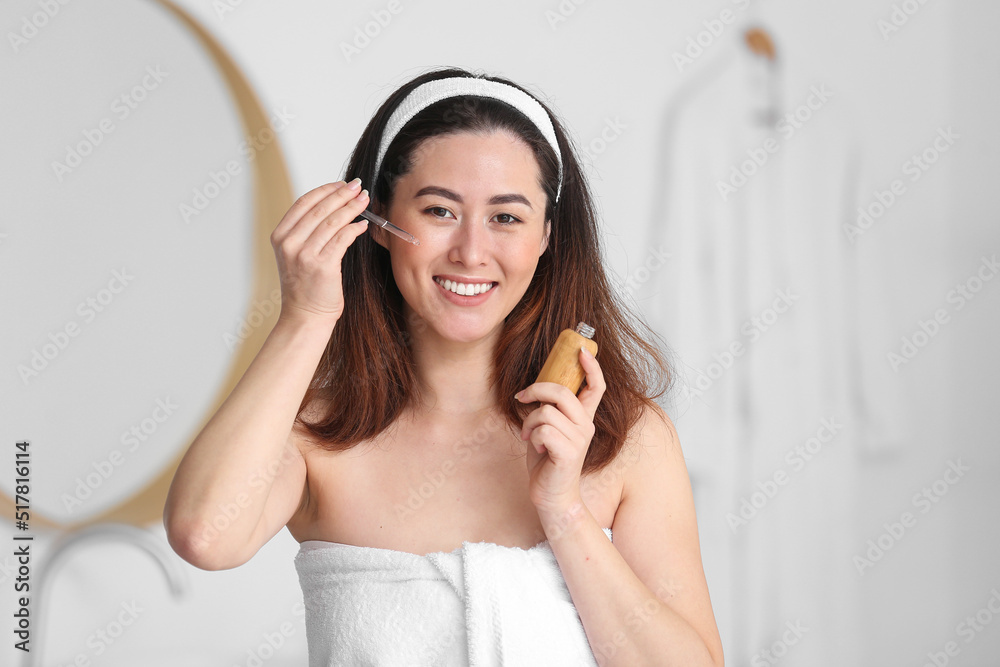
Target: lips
464,301
448,284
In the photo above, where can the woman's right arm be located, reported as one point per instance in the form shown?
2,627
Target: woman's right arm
243,477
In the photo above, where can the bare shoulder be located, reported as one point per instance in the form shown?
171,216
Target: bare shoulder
656,489
651,443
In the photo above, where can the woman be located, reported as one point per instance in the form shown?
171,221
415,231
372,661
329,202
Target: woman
380,418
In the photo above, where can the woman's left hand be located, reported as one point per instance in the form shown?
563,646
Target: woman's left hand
559,434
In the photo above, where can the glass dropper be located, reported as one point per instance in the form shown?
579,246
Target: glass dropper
389,227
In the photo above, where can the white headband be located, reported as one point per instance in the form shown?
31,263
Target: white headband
434,91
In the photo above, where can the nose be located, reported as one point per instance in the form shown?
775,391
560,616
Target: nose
470,242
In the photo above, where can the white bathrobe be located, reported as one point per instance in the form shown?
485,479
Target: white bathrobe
752,390
481,605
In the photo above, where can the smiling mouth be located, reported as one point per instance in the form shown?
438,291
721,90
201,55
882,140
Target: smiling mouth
464,289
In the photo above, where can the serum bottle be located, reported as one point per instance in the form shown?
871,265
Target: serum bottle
563,363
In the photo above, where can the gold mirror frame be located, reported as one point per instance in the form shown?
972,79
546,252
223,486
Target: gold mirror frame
272,194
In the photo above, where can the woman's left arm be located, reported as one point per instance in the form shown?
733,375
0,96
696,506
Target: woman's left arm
643,600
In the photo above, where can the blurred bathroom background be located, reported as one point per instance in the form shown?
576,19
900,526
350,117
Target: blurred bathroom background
794,195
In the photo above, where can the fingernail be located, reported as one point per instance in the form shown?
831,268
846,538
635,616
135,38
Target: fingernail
363,194
355,184
587,352
518,395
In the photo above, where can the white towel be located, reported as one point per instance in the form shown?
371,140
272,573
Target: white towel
479,605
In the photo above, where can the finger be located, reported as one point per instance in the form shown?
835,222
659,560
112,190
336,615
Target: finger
301,206
547,414
535,452
549,420
336,247
535,442
548,438
558,395
329,205
534,455
590,396
333,225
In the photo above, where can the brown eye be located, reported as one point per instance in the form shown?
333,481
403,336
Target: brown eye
437,211
510,219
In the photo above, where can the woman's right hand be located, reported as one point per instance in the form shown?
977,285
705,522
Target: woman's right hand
309,245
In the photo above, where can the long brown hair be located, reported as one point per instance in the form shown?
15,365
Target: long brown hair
366,376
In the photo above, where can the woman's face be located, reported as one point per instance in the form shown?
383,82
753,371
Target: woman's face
475,204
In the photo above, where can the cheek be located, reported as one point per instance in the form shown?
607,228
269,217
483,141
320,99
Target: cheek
526,255
438,236
408,261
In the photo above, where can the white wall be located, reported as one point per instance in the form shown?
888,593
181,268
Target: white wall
605,61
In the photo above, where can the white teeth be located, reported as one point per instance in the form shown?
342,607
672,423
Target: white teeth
462,288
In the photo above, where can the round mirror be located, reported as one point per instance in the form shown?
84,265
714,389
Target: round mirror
142,178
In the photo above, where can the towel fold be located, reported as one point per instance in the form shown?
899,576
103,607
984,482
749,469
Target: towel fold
480,605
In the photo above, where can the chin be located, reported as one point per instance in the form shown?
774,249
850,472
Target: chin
464,327
454,324
457,333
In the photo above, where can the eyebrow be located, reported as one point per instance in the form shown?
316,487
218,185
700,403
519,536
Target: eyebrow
511,198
